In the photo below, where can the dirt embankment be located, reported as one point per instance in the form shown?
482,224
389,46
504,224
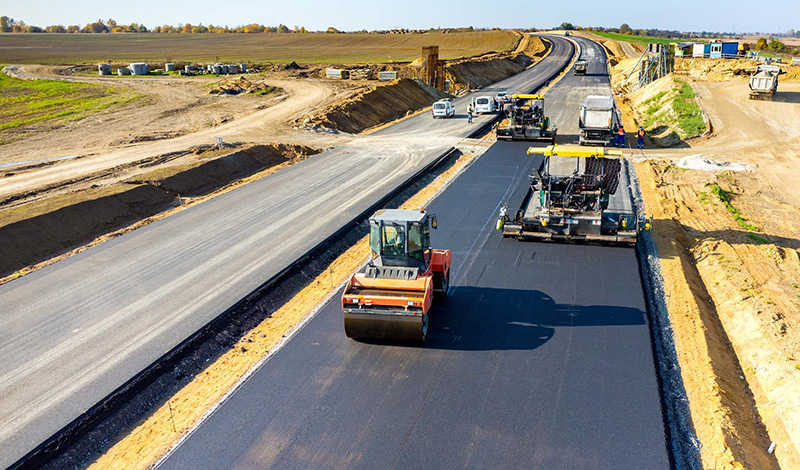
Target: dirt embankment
729,255
377,106
40,230
717,70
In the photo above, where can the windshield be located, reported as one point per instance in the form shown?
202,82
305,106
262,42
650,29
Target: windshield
438,106
482,101
394,243
415,242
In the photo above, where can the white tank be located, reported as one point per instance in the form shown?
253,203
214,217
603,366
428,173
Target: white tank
139,68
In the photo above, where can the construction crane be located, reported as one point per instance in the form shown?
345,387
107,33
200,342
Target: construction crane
391,297
568,198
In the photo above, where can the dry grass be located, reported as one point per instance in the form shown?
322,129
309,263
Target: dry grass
260,47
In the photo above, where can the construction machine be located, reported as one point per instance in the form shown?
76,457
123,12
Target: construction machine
525,120
598,120
391,297
764,82
580,67
568,199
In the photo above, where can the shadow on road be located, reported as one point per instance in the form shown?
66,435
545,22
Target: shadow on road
479,319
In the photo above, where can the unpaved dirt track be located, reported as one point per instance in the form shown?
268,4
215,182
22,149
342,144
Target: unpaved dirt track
75,331
540,358
263,126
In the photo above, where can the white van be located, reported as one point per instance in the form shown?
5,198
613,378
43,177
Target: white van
483,104
443,108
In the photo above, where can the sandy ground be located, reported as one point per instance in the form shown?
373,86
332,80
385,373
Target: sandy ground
180,114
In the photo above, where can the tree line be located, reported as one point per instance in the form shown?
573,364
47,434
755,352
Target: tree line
10,25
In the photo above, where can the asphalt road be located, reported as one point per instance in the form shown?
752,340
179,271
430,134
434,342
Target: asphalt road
73,332
540,358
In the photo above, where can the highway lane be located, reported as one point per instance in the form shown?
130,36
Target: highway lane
73,332
540,358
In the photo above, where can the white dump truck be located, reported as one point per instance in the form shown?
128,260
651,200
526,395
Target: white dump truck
764,82
598,120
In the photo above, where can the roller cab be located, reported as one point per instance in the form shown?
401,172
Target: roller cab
390,298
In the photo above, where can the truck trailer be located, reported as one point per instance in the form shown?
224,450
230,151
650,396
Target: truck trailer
598,120
764,82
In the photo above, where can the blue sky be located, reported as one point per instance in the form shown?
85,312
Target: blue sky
694,15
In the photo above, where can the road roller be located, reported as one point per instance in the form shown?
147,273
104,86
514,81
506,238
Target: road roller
391,296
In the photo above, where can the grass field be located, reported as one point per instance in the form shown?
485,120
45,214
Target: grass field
25,103
636,39
47,48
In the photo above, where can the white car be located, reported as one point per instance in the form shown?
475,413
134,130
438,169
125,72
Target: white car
484,104
504,96
443,108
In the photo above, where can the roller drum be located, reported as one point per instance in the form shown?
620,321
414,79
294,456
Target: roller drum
396,327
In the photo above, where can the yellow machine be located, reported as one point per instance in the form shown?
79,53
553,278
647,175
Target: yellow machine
569,197
525,120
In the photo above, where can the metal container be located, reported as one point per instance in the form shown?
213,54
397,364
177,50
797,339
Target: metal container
243,67
104,69
189,68
139,68
337,73
123,71
170,67
216,69
224,69
387,75
233,68
698,50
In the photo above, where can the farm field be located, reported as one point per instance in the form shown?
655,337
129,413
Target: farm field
47,48
635,39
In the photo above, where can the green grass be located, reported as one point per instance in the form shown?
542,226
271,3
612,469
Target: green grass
29,102
690,116
758,240
321,48
637,39
725,199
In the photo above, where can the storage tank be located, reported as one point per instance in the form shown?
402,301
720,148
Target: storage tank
104,69
123,71
243,67
216,69
189,68
139,68
233,68
224,69
169,67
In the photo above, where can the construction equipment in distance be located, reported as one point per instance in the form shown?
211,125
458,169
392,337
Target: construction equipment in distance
525,120
764,82
568,198
390,297
580,67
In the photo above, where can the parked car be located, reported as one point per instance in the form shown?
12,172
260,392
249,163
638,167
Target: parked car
504,96
484,104
443,108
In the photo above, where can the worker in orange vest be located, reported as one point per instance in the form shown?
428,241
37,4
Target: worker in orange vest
621,137
640,140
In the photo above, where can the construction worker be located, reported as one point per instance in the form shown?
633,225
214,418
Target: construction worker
469,113
621,137
640,139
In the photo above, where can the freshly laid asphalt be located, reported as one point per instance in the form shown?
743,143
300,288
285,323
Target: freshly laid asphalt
75,331
540,358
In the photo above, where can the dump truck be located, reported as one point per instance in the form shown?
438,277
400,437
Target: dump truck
390,298
525,120
568,199
598,120
580,67
764,82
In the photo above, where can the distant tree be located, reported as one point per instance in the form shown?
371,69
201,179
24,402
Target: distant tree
776,45
761,44
73,28
6,24
33,29
332,30
282,28
567,26
111,24
19,27
625,28
56,29
96,27
790,33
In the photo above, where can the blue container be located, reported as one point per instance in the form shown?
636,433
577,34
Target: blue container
730,49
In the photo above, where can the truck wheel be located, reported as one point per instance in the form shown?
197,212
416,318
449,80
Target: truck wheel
442,283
